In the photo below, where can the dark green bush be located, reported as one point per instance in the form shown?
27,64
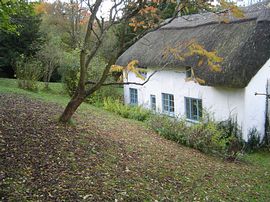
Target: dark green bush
70,81
253,142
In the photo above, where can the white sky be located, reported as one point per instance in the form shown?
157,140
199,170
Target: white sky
103,11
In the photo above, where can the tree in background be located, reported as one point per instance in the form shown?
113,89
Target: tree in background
65,19
62,24
19,35
10,8
28,71
50,55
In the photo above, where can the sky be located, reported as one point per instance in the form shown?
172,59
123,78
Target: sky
105,6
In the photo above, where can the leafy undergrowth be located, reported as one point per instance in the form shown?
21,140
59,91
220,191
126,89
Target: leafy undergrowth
107,158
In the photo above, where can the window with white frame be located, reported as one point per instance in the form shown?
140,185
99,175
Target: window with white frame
153,102
168,104
193,109
133,96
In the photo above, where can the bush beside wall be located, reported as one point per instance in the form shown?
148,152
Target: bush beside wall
208,136
132,112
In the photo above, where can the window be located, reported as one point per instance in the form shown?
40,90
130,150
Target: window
153,102
143,72
193,109
133,96
168,104
188,72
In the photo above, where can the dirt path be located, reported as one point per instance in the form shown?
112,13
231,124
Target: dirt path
107,158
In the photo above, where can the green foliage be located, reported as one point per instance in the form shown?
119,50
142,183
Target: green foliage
208,137
69,70
50,55
28,72
9,8
70,76
253,142
126,111
219,138
105,92
27,39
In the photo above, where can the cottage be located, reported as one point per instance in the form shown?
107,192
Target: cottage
244,45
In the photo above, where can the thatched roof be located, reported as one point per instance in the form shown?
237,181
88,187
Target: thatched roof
244,45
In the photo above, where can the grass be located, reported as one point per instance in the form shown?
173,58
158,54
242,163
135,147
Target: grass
56,94
108,158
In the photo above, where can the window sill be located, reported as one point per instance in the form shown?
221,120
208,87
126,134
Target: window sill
169,114
192,121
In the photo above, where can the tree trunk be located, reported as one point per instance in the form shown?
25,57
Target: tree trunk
46,85
48,77
70,109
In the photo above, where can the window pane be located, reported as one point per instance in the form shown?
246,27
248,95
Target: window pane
187,102
133,93
168,103
200,108
193,108
153,102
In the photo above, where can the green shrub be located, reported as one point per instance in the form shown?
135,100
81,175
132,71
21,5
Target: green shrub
232,135
169,127
97,98
253,142
70,71
28,71
70,81
208,137
126,111
218,138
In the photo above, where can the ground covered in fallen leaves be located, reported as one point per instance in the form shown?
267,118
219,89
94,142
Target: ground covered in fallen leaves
103,157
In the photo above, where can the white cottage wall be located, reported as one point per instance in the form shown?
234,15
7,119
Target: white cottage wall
255,106
221,103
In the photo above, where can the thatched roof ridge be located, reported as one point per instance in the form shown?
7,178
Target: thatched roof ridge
244,44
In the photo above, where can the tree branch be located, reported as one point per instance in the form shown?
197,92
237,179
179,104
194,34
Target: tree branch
130,83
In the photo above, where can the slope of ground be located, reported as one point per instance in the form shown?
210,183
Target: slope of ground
103,157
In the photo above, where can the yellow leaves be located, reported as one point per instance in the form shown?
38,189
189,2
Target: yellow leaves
225,19
134,23
131,67
234,10
40,8
193,49
200,81
200,62
116,68
194,78
210,56
175,52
